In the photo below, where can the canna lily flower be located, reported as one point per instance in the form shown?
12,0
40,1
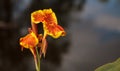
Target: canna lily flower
49,20
30,41
33,40
50,25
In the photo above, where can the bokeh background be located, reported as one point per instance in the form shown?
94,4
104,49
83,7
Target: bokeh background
93,34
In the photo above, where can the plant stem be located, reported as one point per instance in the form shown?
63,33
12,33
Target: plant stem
34,28
36,65
37,60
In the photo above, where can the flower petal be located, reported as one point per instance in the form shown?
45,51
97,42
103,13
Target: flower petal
54,30
49,16
29,41
37,16
50,24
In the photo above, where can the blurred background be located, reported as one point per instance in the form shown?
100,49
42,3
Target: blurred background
93,34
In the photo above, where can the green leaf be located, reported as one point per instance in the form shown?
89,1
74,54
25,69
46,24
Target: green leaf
114,66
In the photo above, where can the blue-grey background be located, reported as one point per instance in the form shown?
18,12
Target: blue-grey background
93,34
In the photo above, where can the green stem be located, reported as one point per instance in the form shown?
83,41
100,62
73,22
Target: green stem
37,60
36,65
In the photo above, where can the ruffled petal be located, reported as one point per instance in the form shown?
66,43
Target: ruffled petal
50,24
54,30
29,41
37,16
49,16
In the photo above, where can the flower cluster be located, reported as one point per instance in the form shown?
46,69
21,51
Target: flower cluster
50,26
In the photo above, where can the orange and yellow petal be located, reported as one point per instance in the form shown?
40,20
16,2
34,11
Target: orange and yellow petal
54,30
50,24
49,16
29,41
37,16
46,15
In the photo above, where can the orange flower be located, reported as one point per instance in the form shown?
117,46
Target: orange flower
30,41
49,20
50,26
33,39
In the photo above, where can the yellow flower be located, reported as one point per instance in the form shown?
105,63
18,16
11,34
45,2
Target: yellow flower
49,20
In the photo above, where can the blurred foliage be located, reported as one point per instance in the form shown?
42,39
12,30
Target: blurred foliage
114,66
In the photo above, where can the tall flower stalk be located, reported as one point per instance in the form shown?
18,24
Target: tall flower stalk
36,42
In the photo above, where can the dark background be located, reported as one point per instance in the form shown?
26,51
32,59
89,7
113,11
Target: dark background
93,34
